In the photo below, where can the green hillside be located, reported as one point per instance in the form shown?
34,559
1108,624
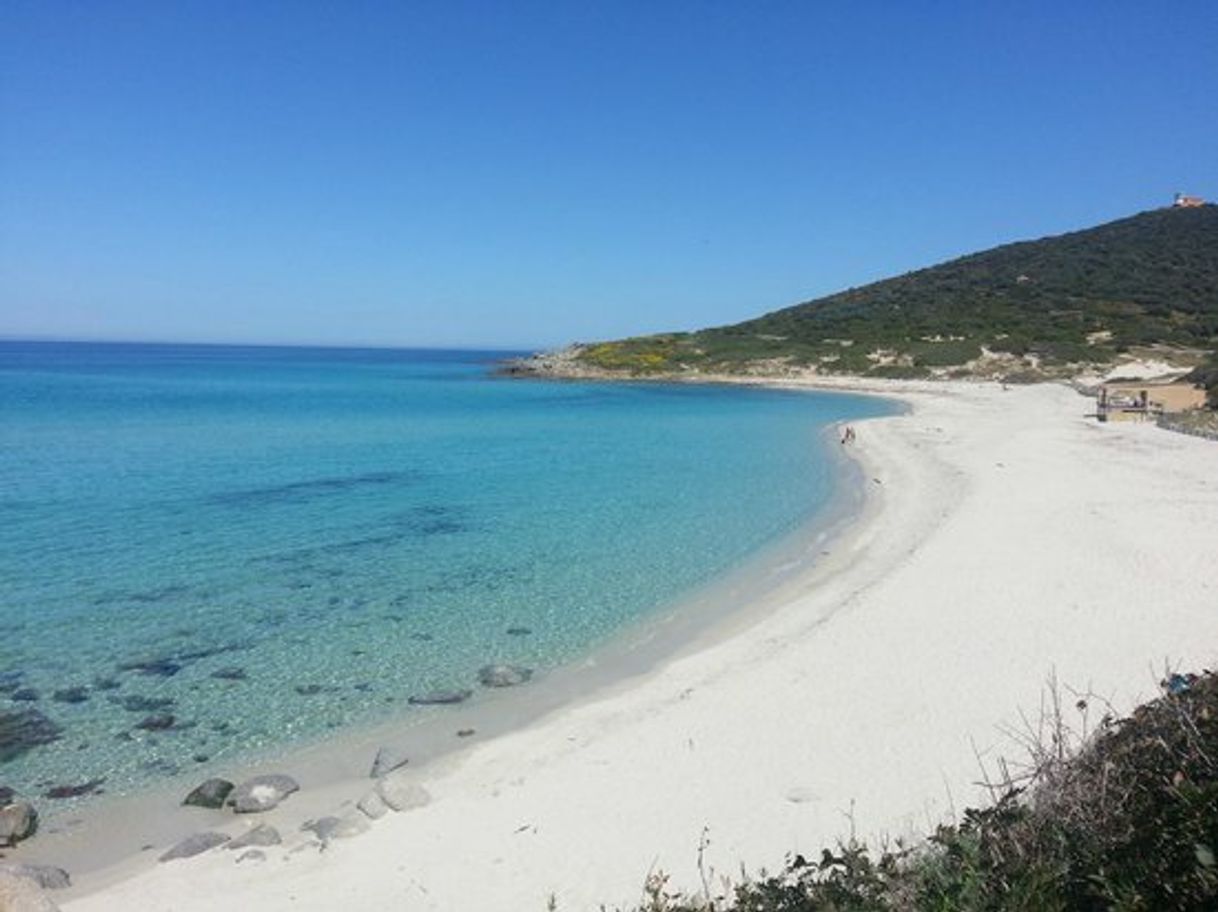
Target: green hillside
1083,297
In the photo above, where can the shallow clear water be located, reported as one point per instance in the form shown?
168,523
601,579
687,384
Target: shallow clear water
336,530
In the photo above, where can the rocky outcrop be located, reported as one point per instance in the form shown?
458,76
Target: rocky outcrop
373,806
262,793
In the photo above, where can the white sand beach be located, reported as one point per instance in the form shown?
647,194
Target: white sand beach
1007,538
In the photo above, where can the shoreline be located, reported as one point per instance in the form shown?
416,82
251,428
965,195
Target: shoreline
1017,539
114,836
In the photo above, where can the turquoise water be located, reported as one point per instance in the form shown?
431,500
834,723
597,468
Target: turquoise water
269,544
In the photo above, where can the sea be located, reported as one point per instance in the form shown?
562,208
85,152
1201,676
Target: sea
211,553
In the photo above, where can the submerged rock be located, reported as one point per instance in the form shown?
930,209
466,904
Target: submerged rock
156,722
209,794
138,703
106,684
502,675
46,876
163,667
92,787
308,690
23,730
70,695
262,835
519,631
18,821
262,793
25,695
194,845
231,673
387,760
6,795
440,697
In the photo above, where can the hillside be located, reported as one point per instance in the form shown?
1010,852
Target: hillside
1047,306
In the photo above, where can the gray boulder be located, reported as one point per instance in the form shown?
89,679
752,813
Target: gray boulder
502,675
262,793
23,730
18,821
440,697
387,760
261,835
46,876
19,894
194,845
210,794
400,794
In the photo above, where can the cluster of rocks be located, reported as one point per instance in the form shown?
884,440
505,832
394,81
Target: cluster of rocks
498,674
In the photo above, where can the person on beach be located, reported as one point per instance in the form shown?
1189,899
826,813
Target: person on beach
848,436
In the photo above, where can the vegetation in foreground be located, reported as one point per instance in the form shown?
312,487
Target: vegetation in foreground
1126,819
1043,306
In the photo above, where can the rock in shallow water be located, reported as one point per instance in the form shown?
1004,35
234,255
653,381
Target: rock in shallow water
46,876
140,704
262,793
25,695
210,794
23,730
440,697
194,845
502,675
93,786
156,722
70,695
6,795
18,821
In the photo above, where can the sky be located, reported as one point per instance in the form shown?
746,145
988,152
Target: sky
524,174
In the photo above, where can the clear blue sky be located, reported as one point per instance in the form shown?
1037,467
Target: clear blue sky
523,173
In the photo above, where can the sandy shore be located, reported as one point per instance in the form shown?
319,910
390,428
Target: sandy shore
1007,537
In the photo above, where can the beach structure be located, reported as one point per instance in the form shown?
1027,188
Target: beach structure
1184,201
1143,400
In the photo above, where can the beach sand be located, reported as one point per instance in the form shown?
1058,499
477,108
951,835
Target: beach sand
1007,538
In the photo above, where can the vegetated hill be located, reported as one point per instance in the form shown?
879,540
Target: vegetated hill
1078,298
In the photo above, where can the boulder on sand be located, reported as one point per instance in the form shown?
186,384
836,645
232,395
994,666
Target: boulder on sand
18,821
210,794
46,876
19,894
401,794
328,828
194,845
262,835
262,793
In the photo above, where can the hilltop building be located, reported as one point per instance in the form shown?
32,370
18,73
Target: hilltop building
1184,201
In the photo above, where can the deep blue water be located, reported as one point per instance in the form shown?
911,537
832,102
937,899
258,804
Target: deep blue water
335,530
